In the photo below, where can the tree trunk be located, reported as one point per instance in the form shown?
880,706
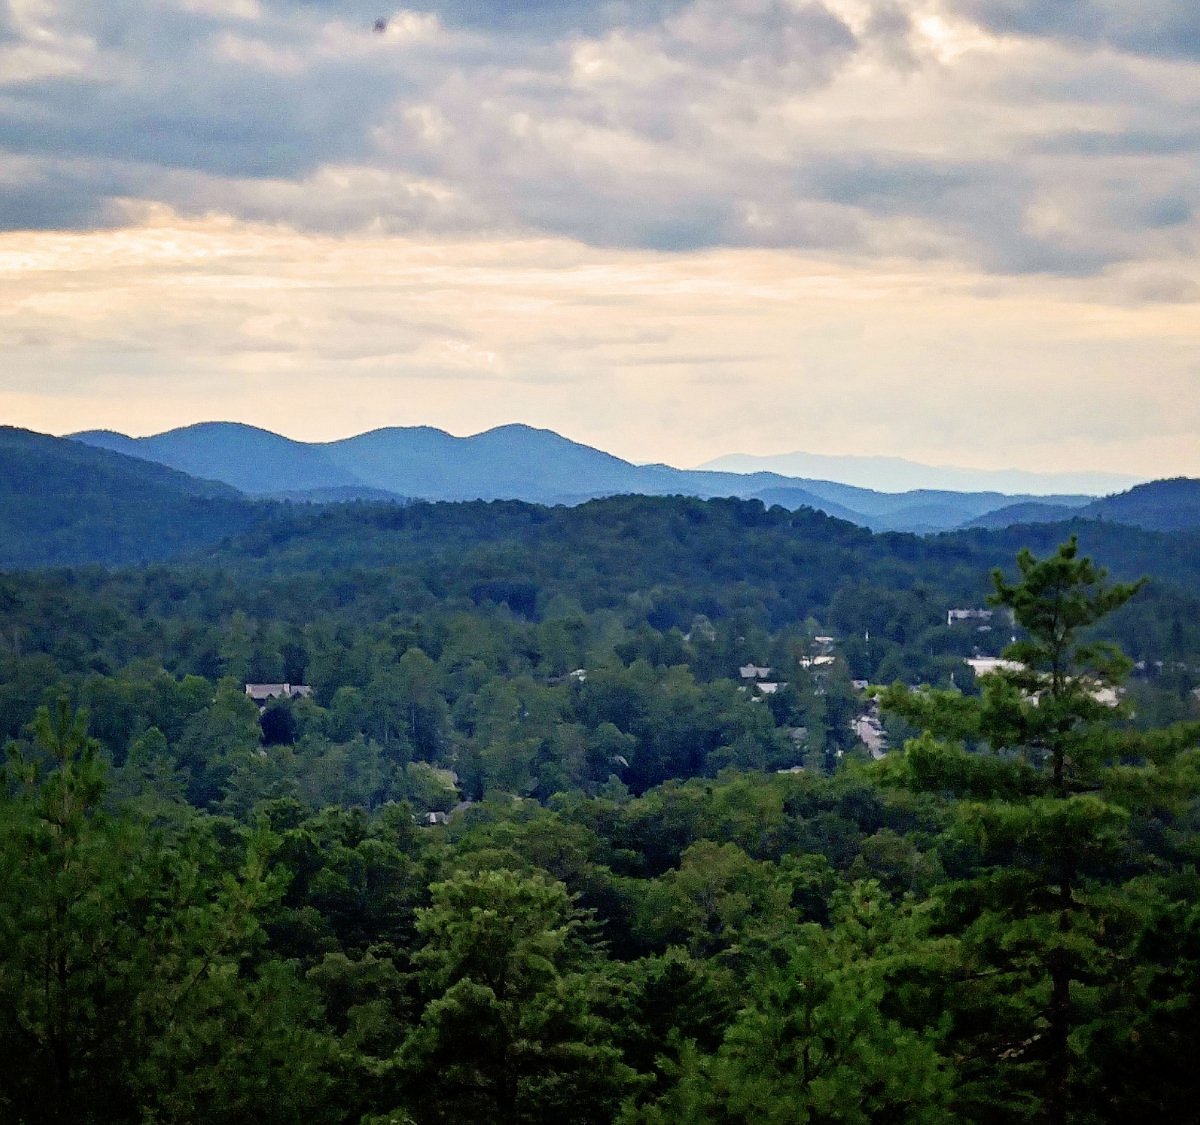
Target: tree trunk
1058,1074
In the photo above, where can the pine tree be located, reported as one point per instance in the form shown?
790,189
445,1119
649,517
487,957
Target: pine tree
1045,778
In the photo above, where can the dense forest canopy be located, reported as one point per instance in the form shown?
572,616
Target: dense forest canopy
589,815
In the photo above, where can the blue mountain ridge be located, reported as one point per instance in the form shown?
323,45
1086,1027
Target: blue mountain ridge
516,462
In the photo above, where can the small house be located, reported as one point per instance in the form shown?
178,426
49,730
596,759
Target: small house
262,694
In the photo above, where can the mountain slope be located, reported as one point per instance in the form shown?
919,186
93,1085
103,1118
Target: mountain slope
1025,513
63,503
796,498
1160,505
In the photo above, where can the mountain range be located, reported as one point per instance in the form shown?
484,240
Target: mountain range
67,502
519,462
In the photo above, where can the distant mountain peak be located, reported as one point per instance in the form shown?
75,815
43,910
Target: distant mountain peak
384,430
64,502
520,428
226,428
89,433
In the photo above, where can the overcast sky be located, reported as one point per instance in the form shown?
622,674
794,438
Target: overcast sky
962,231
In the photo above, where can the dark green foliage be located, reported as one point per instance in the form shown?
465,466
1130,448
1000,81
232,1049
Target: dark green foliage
816,1040
62,504
524,854
509,1033
125,984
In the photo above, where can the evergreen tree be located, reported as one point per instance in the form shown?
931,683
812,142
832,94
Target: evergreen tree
509,1034
1048,780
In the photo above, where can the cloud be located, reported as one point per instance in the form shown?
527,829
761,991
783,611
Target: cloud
186,92
969,130
759,38
1159,28
890,29
541,19
904,185
1107,143
49,196
1165,288
652,355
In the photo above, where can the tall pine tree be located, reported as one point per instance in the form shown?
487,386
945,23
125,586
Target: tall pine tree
1048,785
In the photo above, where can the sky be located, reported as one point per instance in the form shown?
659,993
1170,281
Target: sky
961,231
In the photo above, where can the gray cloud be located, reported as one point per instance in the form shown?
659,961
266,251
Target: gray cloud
979,207
1133,142
905,185
1165,28
51,203
770,35
670,125
9,32
256,132
890,28
550,18
180,90
1164,289
532,19
1166,211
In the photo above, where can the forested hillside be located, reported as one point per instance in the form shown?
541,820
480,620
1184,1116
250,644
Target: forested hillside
1160,505
62,503
588,817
